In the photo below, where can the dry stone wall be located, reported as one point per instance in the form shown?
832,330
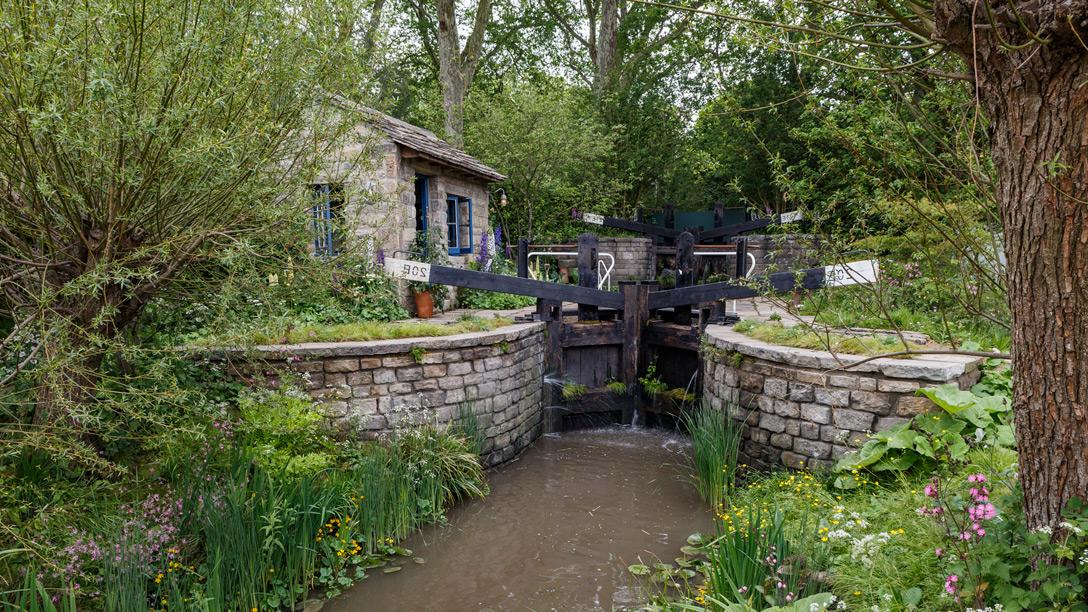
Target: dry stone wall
799,409
369,388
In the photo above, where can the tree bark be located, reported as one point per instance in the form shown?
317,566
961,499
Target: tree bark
1037,105
457,68
606,44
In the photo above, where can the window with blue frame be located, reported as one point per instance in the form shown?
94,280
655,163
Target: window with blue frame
459,224
327,213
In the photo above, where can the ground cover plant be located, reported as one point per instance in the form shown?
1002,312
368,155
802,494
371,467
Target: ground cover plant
272,509
803,336
286,333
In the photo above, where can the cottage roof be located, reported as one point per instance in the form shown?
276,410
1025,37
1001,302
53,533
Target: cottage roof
425,143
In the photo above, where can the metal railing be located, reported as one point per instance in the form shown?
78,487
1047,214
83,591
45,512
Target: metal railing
604,271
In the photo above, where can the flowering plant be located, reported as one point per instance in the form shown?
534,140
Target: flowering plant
990,555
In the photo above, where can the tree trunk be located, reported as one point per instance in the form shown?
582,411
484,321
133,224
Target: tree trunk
1038,109
606,44
449,72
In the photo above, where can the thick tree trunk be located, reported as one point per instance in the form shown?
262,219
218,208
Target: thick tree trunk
1037,104
449,72
606,44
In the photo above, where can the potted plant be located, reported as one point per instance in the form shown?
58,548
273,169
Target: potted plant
428,249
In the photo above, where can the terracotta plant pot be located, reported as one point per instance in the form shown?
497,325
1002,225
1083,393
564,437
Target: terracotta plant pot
424,304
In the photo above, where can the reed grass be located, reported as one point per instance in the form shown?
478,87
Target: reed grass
750,561
35,597
715,442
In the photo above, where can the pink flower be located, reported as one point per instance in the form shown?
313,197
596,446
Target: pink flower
938,551
930,490
950,584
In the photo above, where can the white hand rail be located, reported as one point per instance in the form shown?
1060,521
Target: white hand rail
604,271
747,273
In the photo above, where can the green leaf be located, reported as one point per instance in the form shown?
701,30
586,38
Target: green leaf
922,445
901,438
639,569
912,596
949,397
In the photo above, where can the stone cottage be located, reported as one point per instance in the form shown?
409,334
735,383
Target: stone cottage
394,179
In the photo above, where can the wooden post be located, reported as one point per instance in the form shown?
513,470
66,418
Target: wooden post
523,257
742,257
635,315
685,273
587,273
719,218
551,312
670,219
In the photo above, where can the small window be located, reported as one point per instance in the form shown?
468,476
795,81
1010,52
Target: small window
327,213
459,224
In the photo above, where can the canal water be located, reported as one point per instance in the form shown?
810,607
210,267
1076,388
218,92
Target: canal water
558,531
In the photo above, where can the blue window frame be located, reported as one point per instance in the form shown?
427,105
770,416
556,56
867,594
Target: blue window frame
327,212
422,196
459,224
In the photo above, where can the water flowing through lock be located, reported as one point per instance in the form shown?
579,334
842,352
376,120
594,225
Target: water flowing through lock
558,531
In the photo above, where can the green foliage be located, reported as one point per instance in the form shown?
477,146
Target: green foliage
361,331
282,431
1024,569
715,443
545,137
968,420
467,426
616,387
429,248
417,353
802,336
651,383
35,597
753,562
494,300
572,391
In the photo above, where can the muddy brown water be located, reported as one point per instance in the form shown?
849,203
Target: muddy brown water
558,531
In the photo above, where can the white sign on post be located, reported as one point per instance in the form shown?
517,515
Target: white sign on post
408,270
853,273
593,218
789,217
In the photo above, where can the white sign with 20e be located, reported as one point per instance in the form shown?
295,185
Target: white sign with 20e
595,219
408,270
853,273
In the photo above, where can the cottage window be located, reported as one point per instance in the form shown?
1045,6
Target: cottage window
327,213
459,224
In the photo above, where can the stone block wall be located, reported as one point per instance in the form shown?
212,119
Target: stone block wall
635,256
369,388
800,410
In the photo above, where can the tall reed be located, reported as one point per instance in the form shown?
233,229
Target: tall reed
34,597
753,561
715,441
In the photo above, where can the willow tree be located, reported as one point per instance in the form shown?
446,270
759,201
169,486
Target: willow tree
1026,64
137,138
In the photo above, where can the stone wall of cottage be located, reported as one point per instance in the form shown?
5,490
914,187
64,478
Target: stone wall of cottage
370,388
798,408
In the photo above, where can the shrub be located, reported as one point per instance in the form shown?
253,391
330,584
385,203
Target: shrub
283,431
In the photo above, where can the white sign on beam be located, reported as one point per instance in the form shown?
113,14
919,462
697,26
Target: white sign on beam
595,219
408,270
789,217
853,273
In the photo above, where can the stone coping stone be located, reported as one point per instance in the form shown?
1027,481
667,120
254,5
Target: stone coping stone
938,368
508,333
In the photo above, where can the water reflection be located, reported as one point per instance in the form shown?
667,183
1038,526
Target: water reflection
557,533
